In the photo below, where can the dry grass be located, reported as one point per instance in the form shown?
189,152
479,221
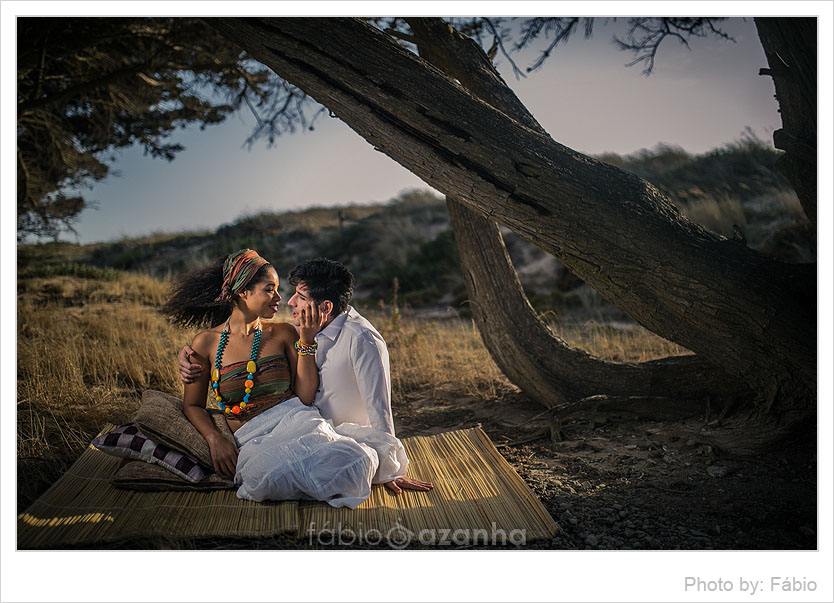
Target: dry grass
88,348
633,344
716,215
450,353
437,354
65,291
757,217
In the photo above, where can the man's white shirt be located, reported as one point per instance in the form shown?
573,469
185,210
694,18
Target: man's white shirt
354,373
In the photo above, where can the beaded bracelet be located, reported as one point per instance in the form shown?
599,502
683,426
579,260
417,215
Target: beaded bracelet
306,349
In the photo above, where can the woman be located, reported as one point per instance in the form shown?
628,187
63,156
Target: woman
263,376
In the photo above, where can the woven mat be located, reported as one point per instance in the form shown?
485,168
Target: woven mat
477,498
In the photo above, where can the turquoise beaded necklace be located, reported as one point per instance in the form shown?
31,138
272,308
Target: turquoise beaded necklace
251,367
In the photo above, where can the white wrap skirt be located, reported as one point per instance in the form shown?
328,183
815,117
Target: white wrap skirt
290,452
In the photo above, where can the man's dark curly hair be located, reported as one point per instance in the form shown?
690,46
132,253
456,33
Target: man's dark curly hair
325,280
192,304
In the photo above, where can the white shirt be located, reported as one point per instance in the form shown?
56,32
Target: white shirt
354,373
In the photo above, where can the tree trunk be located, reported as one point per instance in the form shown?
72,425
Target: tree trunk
738,309
544,366
790,46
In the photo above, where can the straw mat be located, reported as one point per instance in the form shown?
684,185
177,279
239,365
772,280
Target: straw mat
82,507
477,497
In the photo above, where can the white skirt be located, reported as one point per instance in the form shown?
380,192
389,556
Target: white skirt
290,452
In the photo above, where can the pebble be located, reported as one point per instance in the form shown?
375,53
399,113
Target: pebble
591,540
717,471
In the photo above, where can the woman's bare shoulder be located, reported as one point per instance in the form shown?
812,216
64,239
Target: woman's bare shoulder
280,330
206,340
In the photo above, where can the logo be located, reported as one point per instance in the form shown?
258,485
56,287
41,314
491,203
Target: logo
399,537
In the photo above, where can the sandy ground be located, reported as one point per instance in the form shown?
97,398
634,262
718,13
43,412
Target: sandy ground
625,483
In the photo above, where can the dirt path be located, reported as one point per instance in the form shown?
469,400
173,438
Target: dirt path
624,483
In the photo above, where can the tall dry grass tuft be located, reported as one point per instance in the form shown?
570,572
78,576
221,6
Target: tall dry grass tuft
626,343
432,354
86,349
716,215
757,216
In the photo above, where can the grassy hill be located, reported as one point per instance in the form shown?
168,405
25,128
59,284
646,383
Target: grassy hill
407,245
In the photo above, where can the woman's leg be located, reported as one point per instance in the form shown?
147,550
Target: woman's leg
302,457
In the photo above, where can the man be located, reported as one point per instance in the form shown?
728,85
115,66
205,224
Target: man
354,372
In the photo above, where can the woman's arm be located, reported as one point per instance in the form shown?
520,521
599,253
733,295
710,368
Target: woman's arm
303,369
223,453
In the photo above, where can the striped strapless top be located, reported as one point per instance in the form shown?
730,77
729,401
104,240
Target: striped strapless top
272,385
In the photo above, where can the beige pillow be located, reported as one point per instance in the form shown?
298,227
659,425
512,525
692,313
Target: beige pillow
139,475
161,419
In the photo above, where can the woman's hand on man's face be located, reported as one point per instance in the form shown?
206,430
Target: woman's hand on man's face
312,321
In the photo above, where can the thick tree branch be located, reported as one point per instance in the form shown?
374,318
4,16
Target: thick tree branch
540,363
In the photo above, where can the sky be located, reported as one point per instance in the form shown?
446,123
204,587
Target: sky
698,98
587,100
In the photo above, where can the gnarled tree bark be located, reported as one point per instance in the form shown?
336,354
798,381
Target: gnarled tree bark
749,314
540,363
790,47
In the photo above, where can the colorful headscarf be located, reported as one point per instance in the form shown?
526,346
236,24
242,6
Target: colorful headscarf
238,270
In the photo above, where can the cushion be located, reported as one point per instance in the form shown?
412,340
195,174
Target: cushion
128,442
136,475
162,419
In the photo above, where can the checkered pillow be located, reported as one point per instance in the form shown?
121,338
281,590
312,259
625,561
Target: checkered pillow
127,441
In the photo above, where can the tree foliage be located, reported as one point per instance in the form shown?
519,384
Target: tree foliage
89,86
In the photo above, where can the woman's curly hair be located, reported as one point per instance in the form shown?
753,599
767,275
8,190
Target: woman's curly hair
192,300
